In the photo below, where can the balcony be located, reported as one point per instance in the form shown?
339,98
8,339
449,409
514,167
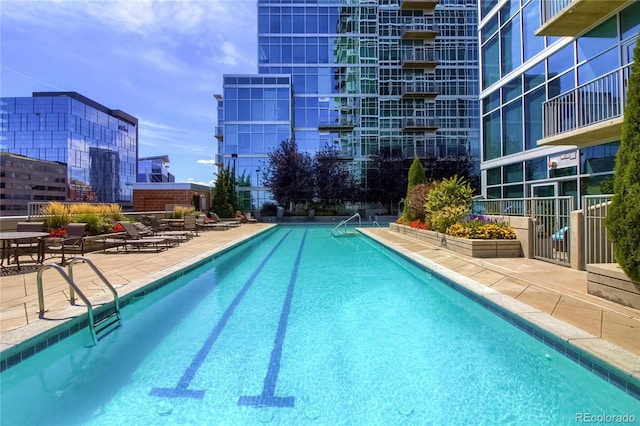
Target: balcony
573,17
426,5
219,133
420,90
337,125
419,124
219,161
589,115
425,59
419,28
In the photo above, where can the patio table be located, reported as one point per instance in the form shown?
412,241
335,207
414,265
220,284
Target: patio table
8,238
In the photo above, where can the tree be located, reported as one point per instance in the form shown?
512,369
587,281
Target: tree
386,180
223,194
623,219
416,176
333,181
289,174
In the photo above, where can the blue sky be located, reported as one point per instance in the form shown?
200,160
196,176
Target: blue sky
160,61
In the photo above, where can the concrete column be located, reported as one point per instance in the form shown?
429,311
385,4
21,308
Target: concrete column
576,240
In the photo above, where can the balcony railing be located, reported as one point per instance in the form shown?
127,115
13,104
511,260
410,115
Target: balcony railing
551,8
219,133
419,27
593,102
337,124
419,88
419,55
420,123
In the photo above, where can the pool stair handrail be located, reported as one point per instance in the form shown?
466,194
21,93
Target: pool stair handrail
98,328
341,228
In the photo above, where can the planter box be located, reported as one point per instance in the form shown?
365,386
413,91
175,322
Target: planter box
607,280
471,248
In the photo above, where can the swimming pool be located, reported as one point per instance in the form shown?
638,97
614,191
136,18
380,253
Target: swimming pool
296,327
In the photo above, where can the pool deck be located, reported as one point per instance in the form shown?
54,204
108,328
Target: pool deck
553,297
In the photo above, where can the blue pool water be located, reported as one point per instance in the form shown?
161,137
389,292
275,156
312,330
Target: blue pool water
296,328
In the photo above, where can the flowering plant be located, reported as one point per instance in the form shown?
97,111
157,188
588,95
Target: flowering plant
58,233
418,224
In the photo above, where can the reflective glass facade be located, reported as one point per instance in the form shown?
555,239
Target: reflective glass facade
154,169
536,87
98,145
367,77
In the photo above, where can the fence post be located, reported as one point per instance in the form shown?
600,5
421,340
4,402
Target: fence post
576,240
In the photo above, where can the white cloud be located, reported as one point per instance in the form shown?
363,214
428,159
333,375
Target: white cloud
208,162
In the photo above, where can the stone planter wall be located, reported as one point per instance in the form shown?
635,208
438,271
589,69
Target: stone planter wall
607,280
472,248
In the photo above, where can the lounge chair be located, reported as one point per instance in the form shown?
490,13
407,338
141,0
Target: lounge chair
201,223
232,221
250,219
135,239
152,222
176,236
72,243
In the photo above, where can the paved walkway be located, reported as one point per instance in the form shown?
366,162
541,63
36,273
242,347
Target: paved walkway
551,289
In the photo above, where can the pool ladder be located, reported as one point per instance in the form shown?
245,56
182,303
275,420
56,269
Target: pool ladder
341,228
105,323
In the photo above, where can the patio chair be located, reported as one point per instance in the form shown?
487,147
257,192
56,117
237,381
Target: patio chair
190,224
72,243
560,239
134,238
32,246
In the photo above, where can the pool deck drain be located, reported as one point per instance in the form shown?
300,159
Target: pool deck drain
552,295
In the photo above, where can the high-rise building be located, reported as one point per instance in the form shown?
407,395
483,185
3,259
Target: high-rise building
369,77
98,145
553,81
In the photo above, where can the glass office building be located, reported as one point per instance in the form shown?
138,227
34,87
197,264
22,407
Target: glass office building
553,82
383,77
98,145
154,169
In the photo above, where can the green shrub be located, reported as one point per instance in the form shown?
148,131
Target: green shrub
623,219
447,202
416,176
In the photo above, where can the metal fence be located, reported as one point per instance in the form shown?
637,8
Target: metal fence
598,248
551,218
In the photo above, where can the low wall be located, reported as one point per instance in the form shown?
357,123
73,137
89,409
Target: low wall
467,247
607,280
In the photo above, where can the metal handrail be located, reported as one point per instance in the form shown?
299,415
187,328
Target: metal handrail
72,285
78,259
345,221
73,288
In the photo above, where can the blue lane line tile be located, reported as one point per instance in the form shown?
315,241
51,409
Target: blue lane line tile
181,390
268,398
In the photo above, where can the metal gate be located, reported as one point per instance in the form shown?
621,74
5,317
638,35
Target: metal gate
598,246
551,218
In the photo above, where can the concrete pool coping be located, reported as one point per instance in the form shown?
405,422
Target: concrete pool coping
135,272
